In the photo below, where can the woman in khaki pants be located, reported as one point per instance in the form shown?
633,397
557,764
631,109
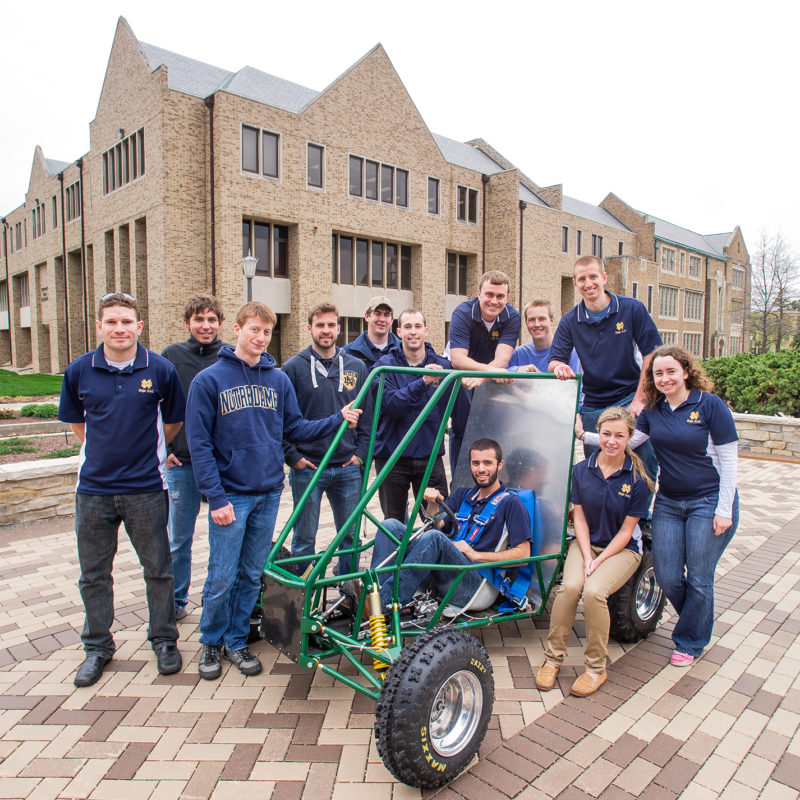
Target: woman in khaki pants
610,492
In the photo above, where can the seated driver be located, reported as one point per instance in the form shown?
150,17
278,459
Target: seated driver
479,533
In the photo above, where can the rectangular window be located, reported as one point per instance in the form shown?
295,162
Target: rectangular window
738,278
55,211
433,195
3,296
380,264
371,180
694,267
668,301
124,162
621,248
456,273
578,238
356,176
270,143
667,259
315,165
260,151
401,188
668,337
683,263
377,263
269,243
597,245
387,183
693,342
693,306
635,290
18,236
737,312
466,204
564,239
72,201
650,299
24,290
362,262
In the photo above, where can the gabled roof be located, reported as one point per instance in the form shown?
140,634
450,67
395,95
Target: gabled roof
719,240
265,88
531,197
53,167
465,155
185,74
591,212
674,234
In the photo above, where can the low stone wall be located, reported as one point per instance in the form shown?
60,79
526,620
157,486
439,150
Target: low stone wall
768,436
31,490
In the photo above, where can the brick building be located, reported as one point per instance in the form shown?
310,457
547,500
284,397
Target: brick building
191,166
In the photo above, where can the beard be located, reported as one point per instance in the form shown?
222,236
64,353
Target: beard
488,480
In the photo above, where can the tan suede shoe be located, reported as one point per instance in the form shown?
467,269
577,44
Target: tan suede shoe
588,683
546,677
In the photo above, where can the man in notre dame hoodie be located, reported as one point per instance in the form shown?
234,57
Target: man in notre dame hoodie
239,411
325,378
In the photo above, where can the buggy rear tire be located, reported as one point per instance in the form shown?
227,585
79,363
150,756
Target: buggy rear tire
434,708
636,608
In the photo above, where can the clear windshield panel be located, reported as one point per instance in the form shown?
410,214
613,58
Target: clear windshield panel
532,419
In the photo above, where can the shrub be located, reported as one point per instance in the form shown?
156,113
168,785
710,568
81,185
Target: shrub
64,452
10,446
6,413
39,410
768,383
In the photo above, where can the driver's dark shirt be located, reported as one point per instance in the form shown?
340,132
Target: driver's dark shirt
510,514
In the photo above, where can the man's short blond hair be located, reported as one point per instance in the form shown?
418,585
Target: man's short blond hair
495,277
256,309
538,303
585,261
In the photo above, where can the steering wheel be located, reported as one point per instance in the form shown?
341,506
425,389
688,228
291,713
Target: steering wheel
445,512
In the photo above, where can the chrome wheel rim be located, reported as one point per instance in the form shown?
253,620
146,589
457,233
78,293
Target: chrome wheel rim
455,713
648,595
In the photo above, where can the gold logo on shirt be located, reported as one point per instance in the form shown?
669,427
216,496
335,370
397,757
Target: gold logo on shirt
694,417
146,386
620,327
495,334
349,379
625,491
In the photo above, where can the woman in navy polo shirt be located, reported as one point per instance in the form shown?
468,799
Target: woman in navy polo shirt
697,508
610,492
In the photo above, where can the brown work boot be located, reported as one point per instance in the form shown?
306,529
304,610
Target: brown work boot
546,676
588,683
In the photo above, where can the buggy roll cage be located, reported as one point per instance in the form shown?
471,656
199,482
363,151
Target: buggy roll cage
319,641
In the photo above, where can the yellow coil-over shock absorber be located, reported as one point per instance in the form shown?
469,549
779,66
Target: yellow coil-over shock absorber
379,635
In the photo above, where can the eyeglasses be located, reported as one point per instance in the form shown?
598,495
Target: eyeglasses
117,294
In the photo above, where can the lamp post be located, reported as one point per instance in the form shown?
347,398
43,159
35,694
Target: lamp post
249,263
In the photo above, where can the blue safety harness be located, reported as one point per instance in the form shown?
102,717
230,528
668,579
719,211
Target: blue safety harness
515,593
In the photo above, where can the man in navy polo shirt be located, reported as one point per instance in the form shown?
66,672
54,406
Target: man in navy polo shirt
124,403
483,334
614,338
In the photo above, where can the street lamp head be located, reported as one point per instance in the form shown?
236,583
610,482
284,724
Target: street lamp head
249,263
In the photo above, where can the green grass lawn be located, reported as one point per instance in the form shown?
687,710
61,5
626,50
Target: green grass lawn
13,385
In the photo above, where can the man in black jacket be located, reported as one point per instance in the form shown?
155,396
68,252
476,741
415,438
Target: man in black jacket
203,317
325,379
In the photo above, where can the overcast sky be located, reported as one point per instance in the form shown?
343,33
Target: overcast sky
686,110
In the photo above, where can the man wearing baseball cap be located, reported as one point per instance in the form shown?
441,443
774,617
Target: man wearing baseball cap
378,338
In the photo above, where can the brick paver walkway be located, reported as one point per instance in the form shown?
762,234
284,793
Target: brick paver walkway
727,727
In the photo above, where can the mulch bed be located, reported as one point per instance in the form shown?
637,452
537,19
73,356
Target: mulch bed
42,445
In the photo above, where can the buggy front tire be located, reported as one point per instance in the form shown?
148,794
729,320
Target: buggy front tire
636,607
434,708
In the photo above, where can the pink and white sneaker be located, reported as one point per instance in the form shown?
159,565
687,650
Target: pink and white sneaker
678,659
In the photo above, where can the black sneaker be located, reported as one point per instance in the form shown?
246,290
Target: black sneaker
247,663
210,667
181,612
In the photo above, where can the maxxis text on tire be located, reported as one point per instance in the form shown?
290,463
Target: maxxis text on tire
434,708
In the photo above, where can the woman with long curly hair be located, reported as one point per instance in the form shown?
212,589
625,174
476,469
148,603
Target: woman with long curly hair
696,510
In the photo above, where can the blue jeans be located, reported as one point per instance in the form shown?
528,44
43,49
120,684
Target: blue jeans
184,505
342,485
236,560
432,547
589,417
685,555
97,520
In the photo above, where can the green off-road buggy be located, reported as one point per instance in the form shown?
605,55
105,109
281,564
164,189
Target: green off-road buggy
431,679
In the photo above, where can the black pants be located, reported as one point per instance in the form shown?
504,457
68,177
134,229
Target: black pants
393,492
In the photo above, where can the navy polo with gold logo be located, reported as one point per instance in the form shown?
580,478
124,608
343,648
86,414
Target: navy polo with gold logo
469,331
681,439
124,411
